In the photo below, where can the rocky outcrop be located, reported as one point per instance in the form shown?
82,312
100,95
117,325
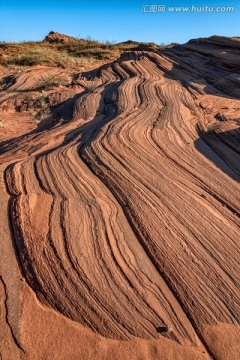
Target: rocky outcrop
124,217
55,37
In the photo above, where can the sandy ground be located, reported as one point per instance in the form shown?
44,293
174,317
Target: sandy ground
120,210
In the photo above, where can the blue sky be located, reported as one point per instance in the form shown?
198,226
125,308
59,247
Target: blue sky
115,20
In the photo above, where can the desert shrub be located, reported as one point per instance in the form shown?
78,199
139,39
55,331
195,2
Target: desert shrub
41,102
43,114
48,82
5,82
31,58
96,52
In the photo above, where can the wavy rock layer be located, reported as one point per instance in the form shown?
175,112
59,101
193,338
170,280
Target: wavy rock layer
126,218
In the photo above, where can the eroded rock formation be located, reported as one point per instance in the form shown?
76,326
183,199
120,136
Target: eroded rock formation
124,208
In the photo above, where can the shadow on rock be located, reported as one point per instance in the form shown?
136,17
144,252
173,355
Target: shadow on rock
223,149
